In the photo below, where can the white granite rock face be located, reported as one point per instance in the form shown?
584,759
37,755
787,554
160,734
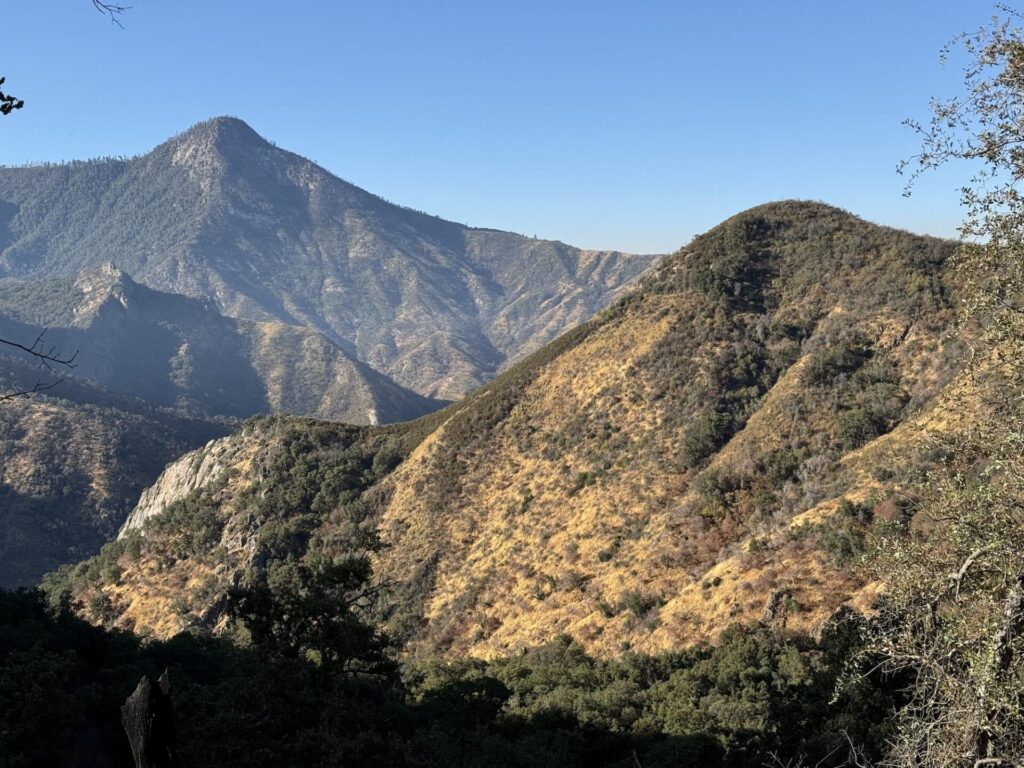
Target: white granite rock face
196,469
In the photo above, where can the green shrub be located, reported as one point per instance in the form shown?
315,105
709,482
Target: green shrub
841,358
855,427
638,603
705,436
760,544
780,466
583,479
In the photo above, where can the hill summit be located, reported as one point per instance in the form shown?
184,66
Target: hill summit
711,449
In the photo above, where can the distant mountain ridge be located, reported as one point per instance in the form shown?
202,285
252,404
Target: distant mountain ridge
219,213
181,354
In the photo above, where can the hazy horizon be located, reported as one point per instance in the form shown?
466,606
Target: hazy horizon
604,127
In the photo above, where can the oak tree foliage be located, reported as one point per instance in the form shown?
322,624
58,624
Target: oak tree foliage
953,614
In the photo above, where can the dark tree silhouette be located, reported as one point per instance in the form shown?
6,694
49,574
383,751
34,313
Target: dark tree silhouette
113,10
149,722
316,611
8,103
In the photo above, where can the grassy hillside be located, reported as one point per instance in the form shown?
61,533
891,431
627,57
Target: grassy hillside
677,464
710,449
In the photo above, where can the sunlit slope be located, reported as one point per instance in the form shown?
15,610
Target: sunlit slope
677,464
636,489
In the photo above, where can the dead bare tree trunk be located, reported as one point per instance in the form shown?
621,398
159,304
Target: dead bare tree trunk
148,721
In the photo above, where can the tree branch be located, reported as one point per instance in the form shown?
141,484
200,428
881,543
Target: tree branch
47,357
113,10
35,388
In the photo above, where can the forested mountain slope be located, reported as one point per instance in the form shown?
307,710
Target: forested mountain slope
71,467
710,449
219,213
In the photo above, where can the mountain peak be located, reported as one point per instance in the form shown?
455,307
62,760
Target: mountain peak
206,145
100,286
224,127
219,213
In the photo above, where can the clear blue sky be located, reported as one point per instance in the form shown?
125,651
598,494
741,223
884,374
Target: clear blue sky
629,125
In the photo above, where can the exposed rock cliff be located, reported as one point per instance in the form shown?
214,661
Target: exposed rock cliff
194,471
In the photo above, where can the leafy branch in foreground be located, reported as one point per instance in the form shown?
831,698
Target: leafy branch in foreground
953,614
984,127
9,103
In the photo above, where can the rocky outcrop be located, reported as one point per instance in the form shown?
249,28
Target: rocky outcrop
193,471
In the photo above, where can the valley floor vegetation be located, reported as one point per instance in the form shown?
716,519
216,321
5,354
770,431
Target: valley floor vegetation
757,697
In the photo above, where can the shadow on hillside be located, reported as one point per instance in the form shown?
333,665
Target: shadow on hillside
65,680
